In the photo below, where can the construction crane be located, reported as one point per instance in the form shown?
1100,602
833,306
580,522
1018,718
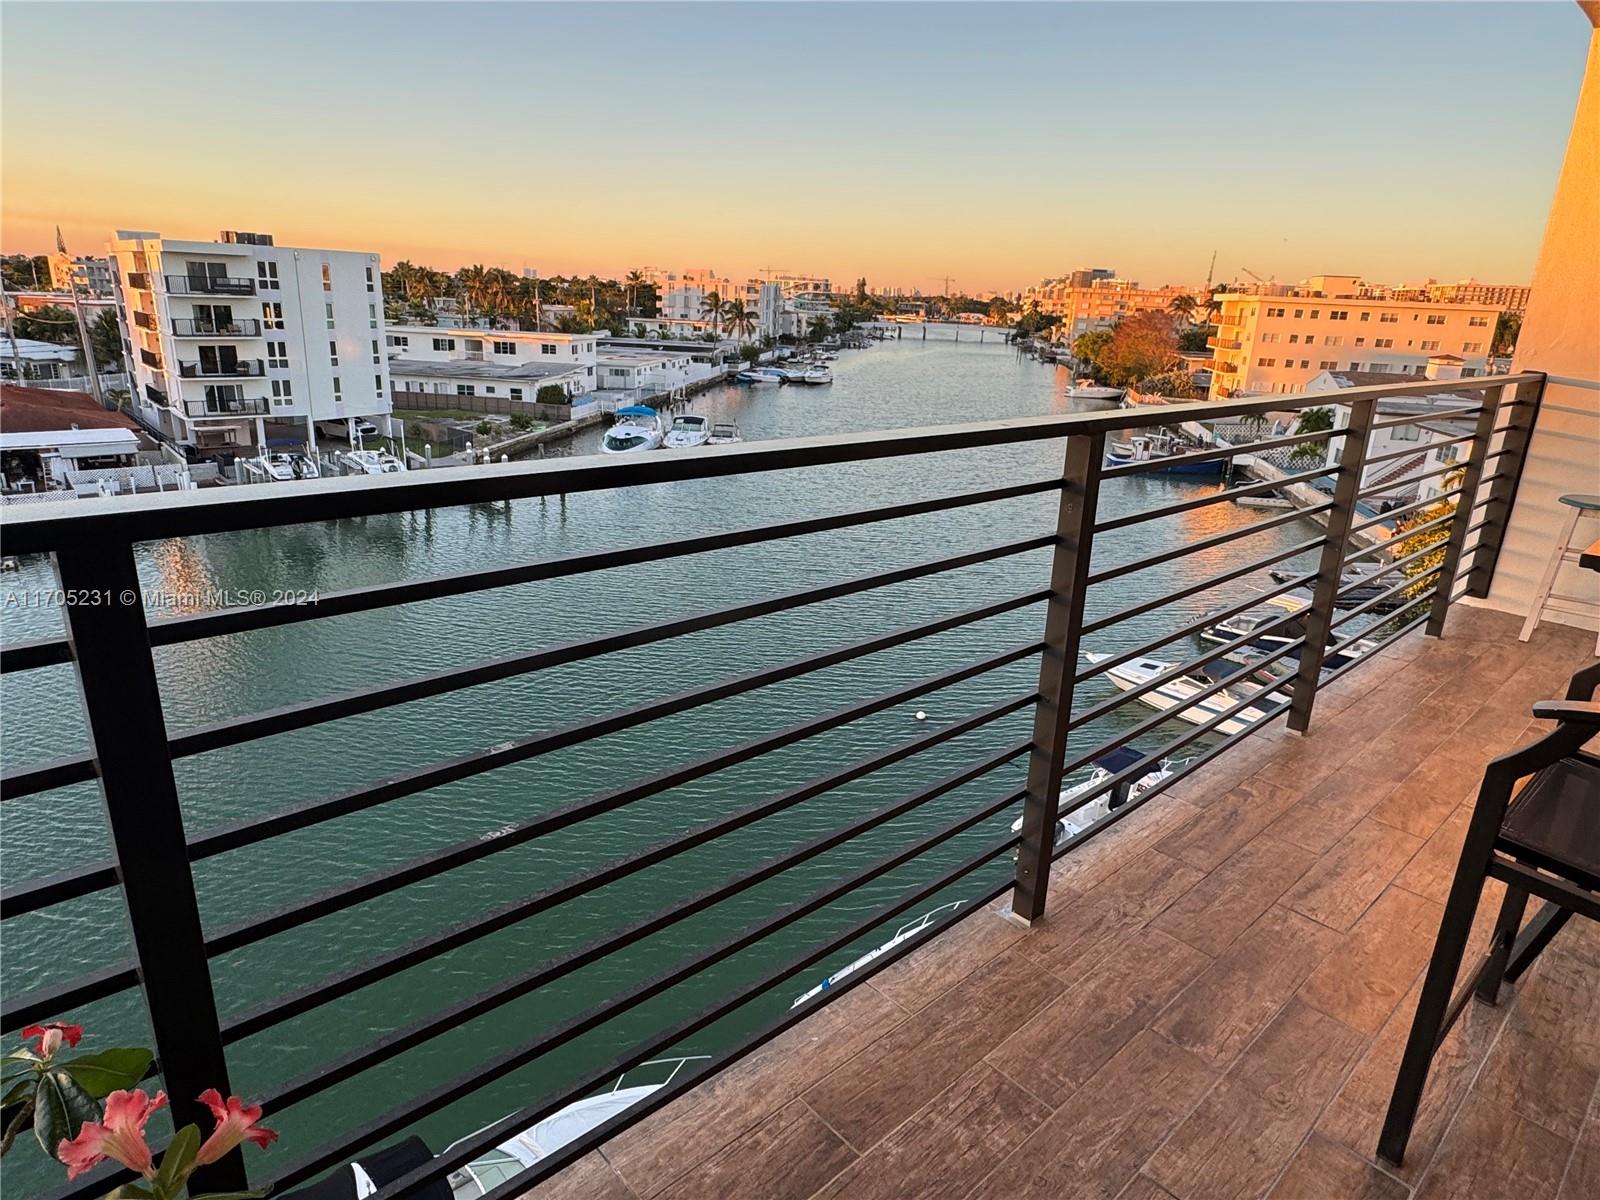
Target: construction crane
947,282
1257,278
1210,271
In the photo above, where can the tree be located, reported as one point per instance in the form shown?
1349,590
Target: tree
1182,308
48,324
751,353
820,328
521,422
105,338
552,393
1312,420
1506,328
1175,385
1144,344
741,321
1405,544
1194,339
861,290
634,280
25,272
711,310
1087,347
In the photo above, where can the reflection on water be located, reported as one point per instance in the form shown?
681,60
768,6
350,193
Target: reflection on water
892,385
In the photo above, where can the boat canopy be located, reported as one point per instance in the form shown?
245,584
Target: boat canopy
1120,759
636,410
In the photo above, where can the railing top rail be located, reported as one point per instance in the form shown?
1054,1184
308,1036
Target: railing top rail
152,517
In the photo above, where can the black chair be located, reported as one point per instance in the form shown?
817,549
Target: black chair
1545,842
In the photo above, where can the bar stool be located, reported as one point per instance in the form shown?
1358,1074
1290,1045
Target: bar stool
1565,551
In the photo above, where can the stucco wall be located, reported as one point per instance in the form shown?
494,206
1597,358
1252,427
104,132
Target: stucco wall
1561,336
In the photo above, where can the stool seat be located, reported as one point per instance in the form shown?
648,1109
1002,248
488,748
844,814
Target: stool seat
1586,503
1555,820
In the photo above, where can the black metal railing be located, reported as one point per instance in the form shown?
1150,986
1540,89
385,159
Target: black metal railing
210,285
186,327
222,405
238,369
143,319
150,358
139,280
133,752
155,395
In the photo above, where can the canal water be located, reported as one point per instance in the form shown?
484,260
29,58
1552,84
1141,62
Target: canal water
895,384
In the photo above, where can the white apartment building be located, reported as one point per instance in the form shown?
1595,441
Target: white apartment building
93,275
1276,344
225,336
493,362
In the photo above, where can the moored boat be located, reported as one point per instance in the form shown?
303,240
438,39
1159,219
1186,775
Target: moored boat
903,934
760,375
1109,801
817,375
1087,391
1181,695
688,430
1168,453
373,462
724,433
637,429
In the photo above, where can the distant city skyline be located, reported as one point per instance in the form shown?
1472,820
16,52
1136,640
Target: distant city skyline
993,144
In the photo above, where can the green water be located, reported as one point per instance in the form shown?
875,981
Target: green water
890,385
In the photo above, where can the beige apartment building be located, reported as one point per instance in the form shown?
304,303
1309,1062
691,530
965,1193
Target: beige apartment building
1508,297
1099,304
1266,344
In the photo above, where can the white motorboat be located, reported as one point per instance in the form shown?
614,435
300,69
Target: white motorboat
1103,805
724,434
638,428
760,375
817,374
1176,694
903,934
688,430
515,1155
1260,617
374,462
285,467
1089,392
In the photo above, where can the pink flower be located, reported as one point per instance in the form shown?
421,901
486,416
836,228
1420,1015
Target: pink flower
236,1122
52,1035
121,1137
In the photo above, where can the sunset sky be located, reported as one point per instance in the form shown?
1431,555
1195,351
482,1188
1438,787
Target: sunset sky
992,143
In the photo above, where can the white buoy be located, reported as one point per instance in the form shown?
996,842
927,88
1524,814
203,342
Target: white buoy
921,716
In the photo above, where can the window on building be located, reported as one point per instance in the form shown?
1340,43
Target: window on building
516,393
280,392
1315,313
1294,339
1433,345
1471,347
327,278
546,348
465,389
372,316
277,354
1266,362
1275,312
328,311
272,314
1478,322
1269,337
1435,318
1366,316
1381,368
1355,366
333,352
267,276
371,282
503,347
336,387
1468,372
1339,314
1333,340
1298,313
398,339
1327,365
444,343
1388,318
1382,344
1304,363
1361,341
377,384
574,348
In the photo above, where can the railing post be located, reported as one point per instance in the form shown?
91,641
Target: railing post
1347,485
128,736
1063,624
1503,491
1445,582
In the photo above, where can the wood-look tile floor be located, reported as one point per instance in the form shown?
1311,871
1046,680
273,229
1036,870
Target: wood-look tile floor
1214,1007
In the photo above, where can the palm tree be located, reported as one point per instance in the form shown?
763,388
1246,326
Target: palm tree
741,321
474,284
634,279
711,310
1183,307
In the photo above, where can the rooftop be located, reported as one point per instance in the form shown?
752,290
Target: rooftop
1213,1006
460,368
37,410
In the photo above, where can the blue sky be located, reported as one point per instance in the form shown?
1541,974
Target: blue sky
992,142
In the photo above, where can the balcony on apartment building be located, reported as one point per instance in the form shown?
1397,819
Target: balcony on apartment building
210,285
187,327
242,368
224,401
1218,969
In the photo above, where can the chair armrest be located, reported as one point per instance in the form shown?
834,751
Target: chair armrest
1576,712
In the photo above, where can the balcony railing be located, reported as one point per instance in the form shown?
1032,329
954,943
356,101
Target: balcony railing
187,327
210,285
150,358
155,395
244,368
227,406
144,320
139,281
959,843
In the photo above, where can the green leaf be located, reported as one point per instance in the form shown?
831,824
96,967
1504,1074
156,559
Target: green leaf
22,1056
14,1087
175,1162
111,1070
60,1109
132,1191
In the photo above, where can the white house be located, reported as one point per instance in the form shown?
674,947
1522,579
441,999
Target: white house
572,354
225,336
